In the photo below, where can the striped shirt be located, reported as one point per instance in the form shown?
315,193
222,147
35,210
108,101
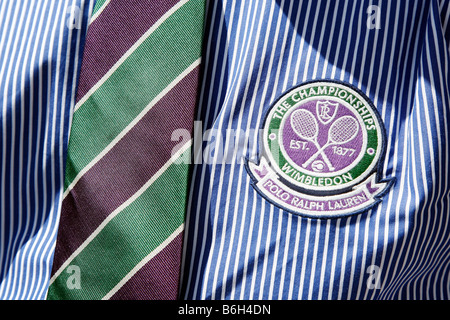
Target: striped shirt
238,245
239,242
41,45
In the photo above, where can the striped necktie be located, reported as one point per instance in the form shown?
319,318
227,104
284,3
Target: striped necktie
121,226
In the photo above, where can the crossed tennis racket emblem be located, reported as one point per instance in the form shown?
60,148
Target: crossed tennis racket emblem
341,131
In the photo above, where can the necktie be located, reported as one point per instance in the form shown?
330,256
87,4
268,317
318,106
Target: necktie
121,226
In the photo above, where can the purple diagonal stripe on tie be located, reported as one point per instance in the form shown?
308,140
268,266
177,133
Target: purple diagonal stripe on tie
125,168
113,33
158,278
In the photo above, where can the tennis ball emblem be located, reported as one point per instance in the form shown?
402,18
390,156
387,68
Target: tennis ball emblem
318,166
323,143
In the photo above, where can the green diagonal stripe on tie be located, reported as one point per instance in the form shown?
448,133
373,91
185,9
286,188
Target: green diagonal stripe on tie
98,5
128,238
159,59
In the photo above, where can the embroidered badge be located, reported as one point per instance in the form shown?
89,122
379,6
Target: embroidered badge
322,148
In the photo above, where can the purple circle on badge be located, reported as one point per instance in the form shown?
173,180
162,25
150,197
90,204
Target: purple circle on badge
322,136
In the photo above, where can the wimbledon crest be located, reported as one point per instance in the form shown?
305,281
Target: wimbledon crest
322,148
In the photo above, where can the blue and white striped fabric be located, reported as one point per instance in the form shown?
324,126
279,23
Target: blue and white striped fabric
238,245
41,45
